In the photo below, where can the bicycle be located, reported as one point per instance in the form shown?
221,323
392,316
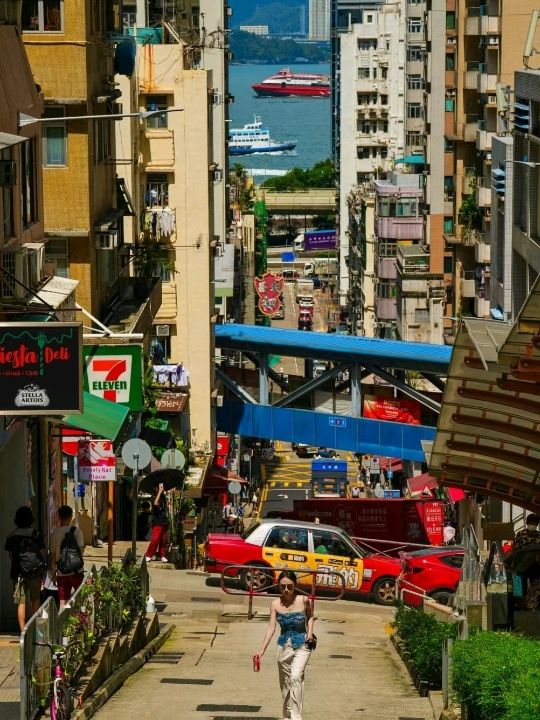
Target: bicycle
62,697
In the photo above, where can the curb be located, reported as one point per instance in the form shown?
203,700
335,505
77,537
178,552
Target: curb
118,678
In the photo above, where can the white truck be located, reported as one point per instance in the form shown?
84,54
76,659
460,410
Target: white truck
304,290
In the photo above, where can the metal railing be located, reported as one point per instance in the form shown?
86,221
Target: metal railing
250,575
52,626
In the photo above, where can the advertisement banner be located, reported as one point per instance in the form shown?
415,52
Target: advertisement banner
222,450
96,461
40,368
393,409
114,373
269,288
320,240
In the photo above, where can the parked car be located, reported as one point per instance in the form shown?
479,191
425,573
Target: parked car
312,547
289,275
326,454
303,450
434,571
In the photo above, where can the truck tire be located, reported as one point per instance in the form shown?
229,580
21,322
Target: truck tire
384,591
256,578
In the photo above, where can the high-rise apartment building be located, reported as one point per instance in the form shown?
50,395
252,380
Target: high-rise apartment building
179,183
319,20
484,46
372,57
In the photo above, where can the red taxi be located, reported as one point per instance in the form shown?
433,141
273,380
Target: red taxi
432,571
275,545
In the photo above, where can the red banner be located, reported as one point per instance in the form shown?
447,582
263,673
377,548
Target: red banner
393,409
222,450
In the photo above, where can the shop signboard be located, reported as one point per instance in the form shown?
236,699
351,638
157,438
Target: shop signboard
40,368
96,461
269,288
402,410
171,402
222,450
114,373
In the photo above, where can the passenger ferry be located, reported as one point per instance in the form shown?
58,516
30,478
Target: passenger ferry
255,138
285,83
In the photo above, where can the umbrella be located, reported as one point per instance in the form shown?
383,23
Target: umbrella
170,478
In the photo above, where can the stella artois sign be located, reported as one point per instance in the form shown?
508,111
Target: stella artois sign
269,288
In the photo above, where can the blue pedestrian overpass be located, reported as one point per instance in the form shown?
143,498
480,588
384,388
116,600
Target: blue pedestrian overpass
244,414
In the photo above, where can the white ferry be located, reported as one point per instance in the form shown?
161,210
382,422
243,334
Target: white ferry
255,138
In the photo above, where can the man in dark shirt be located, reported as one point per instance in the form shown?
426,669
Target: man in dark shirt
529,534
26,590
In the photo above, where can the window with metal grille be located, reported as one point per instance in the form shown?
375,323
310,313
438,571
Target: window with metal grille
157,102
157,190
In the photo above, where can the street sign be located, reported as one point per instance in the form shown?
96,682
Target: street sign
234,487
337,422
288,257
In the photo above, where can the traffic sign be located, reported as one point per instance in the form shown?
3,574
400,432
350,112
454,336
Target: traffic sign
234,487
337,422
288,257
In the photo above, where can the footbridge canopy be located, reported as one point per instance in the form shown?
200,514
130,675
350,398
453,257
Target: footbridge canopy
262,416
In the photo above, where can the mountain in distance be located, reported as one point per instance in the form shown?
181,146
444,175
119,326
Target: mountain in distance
281,17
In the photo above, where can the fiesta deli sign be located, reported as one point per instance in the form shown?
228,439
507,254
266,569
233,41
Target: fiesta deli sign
40,368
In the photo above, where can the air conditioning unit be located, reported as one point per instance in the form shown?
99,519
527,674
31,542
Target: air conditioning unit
106,241
162,330
450,92
14,262
215,96
217,175
8,173
36,263
493,40
492,99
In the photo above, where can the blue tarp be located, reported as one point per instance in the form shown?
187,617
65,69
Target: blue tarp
411,160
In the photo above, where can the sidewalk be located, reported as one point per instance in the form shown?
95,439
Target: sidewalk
9,677
204,671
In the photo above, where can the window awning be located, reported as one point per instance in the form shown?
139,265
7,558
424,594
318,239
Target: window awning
488,439
99,417
8,140
55,292
123,198
411,160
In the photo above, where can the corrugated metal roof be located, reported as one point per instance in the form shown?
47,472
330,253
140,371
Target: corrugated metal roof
488,439
330,346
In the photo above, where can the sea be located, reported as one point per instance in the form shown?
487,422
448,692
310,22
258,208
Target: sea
306,120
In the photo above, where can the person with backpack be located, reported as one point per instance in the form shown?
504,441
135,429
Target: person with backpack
27,553
66,554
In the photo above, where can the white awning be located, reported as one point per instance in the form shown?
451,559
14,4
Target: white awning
55,292
8,140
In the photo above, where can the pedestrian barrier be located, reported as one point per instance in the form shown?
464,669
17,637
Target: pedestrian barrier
79,620
258,580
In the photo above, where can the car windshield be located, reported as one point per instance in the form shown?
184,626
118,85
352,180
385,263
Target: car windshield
247,532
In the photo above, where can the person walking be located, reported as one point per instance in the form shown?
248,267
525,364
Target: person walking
27,553
66,555
160,525
294,613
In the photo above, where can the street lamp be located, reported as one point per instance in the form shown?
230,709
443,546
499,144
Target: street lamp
143,115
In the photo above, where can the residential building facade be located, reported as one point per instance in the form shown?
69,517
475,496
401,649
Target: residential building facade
319,20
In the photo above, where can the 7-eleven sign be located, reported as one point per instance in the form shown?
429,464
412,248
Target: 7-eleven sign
114,374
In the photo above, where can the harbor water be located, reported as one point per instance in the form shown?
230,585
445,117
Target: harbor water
306,120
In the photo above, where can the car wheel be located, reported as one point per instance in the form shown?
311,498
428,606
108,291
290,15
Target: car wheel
441,596
384,591
255,578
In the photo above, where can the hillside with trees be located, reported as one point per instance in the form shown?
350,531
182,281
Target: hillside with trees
281,17
321,175
249,48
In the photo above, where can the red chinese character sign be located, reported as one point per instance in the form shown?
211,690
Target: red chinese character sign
269,288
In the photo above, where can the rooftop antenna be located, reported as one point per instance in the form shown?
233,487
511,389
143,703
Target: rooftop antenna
529,48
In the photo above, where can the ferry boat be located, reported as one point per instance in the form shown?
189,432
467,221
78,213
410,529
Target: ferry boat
255,138
285,83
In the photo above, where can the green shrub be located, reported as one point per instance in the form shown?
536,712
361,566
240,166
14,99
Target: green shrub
423,637
496,676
